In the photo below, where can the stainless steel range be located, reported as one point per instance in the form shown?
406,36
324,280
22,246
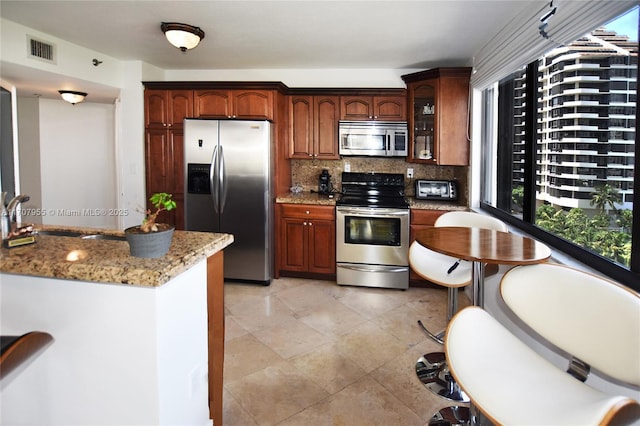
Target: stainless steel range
372,231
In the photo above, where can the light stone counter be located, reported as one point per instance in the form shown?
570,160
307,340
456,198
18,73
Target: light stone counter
108,261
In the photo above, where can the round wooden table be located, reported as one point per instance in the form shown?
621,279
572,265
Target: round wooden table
481,246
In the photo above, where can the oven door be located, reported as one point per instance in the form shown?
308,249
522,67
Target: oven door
377,236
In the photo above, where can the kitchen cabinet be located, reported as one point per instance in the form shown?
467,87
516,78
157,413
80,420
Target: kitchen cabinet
438,116
165,170
221,103
307,239
383,108
421,219
313,127
164,113
167,108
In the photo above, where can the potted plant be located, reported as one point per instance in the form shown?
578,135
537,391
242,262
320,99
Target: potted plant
152,239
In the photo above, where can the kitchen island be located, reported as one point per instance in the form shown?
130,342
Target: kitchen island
136,341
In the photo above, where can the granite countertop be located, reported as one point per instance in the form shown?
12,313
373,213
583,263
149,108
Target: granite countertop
307,198
108,261
324,200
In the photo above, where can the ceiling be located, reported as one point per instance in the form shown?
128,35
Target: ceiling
303,34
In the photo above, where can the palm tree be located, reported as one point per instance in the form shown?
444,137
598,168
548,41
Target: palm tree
605,196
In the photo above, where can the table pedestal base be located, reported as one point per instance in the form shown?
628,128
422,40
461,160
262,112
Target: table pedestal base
452,416
433,372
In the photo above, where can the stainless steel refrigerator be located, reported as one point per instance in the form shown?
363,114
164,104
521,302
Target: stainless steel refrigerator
228,188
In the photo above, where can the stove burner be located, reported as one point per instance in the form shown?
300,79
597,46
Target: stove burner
373,190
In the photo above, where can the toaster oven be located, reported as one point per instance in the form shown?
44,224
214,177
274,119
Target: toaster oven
445,190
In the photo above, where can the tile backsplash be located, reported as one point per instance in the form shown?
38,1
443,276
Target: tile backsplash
306,172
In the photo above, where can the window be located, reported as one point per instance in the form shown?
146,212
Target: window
560,161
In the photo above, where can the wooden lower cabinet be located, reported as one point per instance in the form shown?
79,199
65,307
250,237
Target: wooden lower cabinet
306,240
421,219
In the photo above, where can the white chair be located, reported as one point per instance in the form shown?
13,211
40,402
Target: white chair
436,267
594,320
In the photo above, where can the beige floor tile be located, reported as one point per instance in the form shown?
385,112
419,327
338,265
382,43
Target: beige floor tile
311,352
327,367
401,322
399,377
306,296
370,346
364,403
371,302
256,314
276,393
232,329
332,319
290,338
233,413
245,355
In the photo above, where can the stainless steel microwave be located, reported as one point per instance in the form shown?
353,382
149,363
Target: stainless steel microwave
373,138
445,190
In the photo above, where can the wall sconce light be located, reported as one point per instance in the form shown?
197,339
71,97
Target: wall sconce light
71,96
182,36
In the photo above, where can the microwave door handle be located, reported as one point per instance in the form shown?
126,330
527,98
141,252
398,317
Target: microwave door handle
388,143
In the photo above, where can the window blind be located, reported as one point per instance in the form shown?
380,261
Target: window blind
519,41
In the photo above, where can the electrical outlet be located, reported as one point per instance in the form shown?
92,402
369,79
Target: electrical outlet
410,173
347,167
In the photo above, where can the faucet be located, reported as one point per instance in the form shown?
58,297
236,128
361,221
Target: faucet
12,210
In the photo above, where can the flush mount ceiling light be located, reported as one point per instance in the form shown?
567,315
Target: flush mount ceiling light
182,36
71,96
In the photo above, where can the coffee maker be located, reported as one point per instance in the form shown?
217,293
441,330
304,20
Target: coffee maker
324,182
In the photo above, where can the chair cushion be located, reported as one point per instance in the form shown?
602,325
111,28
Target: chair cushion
591,318
433,266
511,384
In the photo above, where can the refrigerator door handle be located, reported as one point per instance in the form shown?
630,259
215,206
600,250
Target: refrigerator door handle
222,181
212,172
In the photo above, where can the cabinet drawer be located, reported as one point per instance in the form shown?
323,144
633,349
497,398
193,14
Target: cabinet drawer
425,217
307,211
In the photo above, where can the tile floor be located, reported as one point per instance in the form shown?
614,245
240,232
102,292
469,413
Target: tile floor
310,352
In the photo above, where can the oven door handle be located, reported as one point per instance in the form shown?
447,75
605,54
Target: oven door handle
368,212
365,269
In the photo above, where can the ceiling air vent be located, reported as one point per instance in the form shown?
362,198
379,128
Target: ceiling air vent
41,50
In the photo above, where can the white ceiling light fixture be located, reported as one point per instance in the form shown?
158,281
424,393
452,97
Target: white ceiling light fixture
182,36
72,97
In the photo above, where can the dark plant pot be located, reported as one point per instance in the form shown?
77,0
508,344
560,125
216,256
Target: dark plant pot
149,244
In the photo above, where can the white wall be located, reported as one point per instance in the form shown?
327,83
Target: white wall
29,153
77,164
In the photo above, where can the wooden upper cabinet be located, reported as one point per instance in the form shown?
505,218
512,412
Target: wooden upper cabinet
251,104
167,108
383,108
325,122
390,108
313,127
438,105
301,127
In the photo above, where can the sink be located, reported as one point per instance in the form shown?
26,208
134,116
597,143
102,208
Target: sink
76,234
104,237
59,233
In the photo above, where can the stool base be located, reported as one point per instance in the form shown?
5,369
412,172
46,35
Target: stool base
433,372
452,416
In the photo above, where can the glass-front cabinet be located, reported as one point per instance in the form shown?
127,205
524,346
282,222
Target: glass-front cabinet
424,119
438,116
